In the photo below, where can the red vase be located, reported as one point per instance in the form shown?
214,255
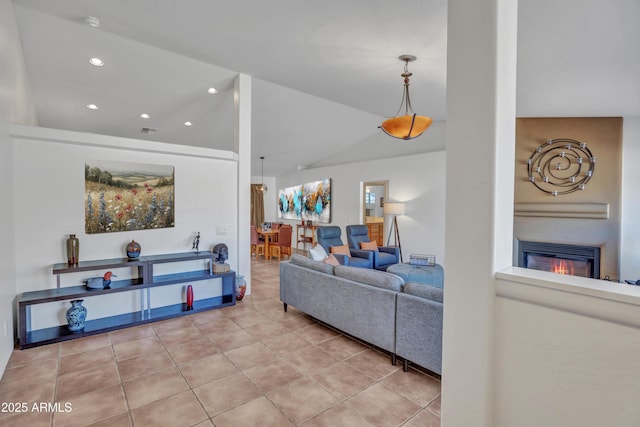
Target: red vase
189,297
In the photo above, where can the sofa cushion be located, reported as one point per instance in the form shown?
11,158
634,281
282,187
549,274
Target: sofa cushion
376,278
432,275
305,262
342,250
332,260
369,246
317,253
424,291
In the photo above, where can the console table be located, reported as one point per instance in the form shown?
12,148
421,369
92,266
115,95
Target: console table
145,280
304,237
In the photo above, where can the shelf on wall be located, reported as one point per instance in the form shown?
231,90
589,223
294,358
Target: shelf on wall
146,280
71,292
106,324
64,268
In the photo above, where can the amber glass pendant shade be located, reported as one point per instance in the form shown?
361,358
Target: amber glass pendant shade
409,125
263,187
406,127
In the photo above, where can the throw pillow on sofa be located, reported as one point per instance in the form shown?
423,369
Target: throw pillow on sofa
369,246
331,260
317,253
342,250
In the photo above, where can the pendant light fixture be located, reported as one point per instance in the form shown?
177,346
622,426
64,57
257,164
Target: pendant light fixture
263,187
410,125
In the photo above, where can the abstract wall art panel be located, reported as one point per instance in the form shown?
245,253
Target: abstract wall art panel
309,202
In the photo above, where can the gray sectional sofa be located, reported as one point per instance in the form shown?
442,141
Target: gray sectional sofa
371,305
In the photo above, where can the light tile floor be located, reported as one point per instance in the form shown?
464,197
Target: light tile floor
247,365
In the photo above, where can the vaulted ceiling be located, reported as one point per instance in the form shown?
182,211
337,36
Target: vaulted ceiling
325,74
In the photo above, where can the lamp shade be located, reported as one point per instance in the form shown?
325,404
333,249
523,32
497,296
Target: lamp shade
395,208
406,127
263,188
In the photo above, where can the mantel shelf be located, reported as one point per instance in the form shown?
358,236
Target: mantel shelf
563,210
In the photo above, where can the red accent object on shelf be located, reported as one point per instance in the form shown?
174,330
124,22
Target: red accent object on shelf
189,297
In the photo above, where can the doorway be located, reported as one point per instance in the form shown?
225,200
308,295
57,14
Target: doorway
374,195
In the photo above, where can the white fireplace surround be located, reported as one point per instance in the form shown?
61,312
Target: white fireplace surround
582,224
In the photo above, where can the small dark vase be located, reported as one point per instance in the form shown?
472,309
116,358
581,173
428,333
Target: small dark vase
76,315
73,249
189,297
133,250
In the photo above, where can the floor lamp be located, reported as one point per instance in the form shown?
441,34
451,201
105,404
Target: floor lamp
395,209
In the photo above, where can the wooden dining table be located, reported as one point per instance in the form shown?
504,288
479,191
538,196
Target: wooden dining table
267,237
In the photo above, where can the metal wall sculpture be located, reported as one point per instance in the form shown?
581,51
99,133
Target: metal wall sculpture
561,166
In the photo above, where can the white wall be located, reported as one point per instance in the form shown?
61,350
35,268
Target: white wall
481,36
49,205
418,180
630,224
566,352
16,105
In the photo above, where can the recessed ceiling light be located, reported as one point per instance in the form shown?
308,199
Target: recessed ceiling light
96,61
212,90
188,124
144,116
92,21
92,106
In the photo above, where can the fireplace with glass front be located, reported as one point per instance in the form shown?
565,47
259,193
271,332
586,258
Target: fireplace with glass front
574,260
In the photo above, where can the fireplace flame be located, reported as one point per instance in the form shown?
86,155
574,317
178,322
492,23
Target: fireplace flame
562,267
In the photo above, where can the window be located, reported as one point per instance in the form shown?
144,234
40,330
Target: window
370,198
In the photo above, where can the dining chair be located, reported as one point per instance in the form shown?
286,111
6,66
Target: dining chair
257,246
283,245
275,226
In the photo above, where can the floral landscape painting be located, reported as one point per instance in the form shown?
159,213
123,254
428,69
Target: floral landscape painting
122,196
310,201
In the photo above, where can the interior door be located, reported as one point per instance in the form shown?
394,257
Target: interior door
374,195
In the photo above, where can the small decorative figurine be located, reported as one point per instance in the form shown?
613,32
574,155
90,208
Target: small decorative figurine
196,242
221,253
103,282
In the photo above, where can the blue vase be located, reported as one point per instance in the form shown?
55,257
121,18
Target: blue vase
76,315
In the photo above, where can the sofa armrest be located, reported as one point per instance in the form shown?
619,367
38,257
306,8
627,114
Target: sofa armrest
394,250
342,259
362,254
